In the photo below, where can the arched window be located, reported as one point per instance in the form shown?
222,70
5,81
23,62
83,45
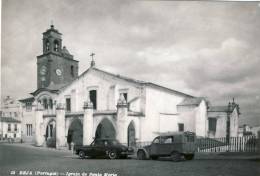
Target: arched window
56,45
47,45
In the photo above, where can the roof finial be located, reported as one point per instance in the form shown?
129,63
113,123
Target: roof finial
92,64
52,26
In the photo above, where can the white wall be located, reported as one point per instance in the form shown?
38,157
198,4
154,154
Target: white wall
221,124
201,119
159,102
107,87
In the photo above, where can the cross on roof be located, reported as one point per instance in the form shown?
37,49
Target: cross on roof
92,64
92,55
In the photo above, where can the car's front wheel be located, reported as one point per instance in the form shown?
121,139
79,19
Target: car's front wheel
112,154
81,154
140,155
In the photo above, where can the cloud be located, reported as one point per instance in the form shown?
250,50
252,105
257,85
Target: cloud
202,48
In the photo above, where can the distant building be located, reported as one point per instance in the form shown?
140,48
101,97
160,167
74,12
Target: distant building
10,107
96,104
245,130
10,115
256,131
10,128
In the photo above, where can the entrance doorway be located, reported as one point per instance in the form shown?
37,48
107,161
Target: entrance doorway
131,134
105,129
75,133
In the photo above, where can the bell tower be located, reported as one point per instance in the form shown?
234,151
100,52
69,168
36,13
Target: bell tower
55,66
52,41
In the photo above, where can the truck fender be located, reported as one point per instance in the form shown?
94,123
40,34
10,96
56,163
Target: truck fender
147,155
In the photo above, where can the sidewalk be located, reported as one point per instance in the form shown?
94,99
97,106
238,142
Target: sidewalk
229,155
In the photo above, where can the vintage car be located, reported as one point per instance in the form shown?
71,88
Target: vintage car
177,145
110,148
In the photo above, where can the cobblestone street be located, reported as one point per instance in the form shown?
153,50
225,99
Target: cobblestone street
17,157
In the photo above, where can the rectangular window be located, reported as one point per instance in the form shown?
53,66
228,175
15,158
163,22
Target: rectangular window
14,135
68,105
72,71
28,106
29,129
15,127
212,124
50,103
181,126
9,127
93,98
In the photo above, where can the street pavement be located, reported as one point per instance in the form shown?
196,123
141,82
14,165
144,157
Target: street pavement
22,159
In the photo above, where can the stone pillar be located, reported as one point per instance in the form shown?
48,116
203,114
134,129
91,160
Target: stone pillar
121,120
39,136
60,127
87,123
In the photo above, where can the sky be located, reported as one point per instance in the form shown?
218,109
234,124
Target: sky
208,49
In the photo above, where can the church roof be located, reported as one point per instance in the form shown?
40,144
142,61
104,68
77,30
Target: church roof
191,101
135,81
9,120
228,108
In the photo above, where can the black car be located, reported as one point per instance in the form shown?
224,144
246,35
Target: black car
110,148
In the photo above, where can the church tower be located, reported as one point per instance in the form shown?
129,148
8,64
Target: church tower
55,66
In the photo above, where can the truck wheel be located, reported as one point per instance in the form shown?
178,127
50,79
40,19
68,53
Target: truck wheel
140,155
175,156
154,157
81,154
189,156
112,154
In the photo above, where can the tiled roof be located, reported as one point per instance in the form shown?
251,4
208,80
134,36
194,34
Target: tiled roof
29,99
218,109
222,108
9,120
191,101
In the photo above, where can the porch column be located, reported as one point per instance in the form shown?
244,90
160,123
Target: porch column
121,120
87,123
60,126
39,136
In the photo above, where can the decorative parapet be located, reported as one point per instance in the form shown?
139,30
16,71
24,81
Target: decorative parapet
60,106
88,105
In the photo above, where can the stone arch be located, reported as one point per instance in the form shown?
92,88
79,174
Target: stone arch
105,129
50,133
75,132
131,134
46,100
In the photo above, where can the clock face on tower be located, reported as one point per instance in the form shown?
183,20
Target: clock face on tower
43,70
58,72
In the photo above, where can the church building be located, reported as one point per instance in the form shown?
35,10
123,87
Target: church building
68,107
